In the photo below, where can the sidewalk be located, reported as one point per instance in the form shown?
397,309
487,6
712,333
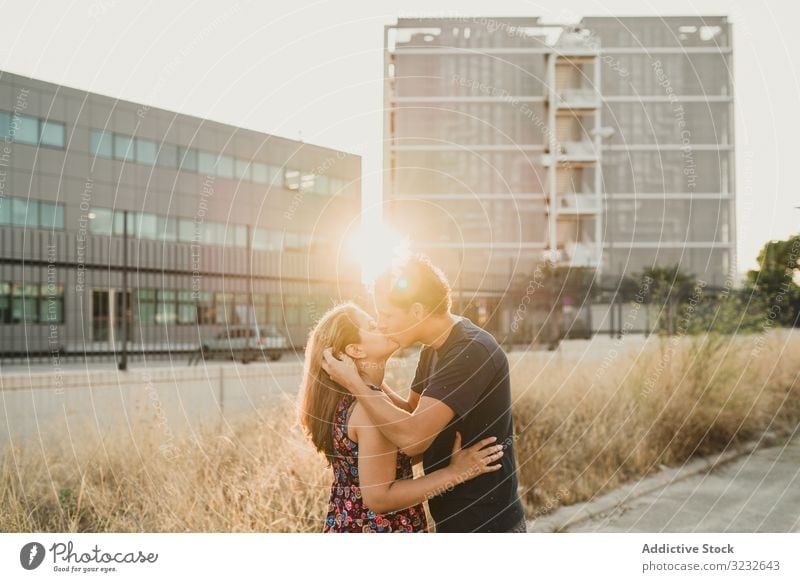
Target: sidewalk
747,490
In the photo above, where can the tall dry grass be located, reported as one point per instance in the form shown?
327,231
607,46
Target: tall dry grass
583,427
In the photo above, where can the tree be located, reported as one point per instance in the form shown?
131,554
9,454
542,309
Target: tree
774,280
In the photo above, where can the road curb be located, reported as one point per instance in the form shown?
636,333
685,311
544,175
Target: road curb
570,515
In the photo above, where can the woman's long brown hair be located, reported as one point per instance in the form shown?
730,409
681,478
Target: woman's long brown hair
320,395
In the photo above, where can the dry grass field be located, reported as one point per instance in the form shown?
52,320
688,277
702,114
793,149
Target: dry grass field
583,427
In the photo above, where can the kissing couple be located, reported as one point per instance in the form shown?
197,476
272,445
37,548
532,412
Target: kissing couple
456,419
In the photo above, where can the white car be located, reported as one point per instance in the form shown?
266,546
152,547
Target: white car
245,343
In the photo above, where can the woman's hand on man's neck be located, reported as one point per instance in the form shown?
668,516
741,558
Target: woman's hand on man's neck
372,372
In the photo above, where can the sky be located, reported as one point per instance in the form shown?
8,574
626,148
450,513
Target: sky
312,70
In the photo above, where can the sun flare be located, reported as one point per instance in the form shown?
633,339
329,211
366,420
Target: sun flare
374,245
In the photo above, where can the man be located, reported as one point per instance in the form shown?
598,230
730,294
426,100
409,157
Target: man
461,384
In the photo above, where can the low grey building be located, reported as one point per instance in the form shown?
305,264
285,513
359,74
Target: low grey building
224,225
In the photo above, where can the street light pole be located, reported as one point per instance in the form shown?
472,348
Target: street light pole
123,363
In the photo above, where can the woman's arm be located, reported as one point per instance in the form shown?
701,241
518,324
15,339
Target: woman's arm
377,458
400,402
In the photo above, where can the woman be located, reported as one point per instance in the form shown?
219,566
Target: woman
373,488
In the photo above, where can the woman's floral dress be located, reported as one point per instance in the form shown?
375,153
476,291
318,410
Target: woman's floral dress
347,511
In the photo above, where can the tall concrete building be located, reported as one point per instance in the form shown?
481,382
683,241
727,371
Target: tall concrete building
224,225
604,145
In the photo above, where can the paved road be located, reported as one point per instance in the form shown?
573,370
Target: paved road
758,492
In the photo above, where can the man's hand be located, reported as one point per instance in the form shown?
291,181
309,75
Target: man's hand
342,371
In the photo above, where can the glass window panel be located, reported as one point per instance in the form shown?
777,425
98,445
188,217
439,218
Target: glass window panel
51,306
5,122
186,230
188,159
124,148
148,226
243,170
51,215
307,182
146,151
206,162
146,312
167,228
100,221
20,212
292,180
321,185
240,235
5,210
100,143
275,175
147,294
260,239
167,156
223,303
225,167
167,313
186,313
52,133
25,129
260,172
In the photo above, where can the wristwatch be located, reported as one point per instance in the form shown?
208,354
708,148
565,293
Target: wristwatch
378,388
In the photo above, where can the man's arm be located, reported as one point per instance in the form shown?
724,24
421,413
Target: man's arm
413,432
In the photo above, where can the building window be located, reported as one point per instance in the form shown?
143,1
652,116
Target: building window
146,306
205,308
146,151
243,170
276,309
51,303
260,308
321,185
292,310
100,221
24,300
187,311
307,182
206,162
51,215
167,228
101,143
292,180
222,303
187,231
23,212
224,167
124,148
5,302
30,303
24,129
188,158
52,133
166,308
5,125
260,173
167,156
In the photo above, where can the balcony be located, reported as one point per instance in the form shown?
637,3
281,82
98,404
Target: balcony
573,152
577,42
584,98
581,255
578,204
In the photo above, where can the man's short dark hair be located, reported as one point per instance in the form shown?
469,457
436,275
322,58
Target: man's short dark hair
415,279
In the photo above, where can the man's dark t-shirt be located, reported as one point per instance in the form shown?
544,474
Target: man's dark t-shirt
469,372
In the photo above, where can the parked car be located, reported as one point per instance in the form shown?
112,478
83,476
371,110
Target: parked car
244,343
